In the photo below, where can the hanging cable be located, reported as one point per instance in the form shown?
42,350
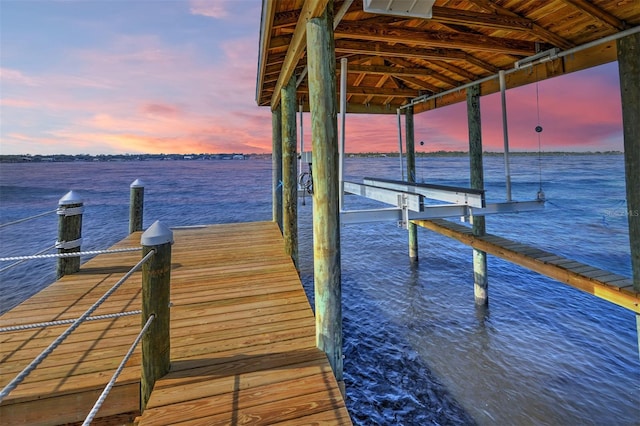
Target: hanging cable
540,195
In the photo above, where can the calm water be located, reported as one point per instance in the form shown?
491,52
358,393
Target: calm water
417,351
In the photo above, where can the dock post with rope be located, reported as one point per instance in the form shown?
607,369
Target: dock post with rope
70,209
156,275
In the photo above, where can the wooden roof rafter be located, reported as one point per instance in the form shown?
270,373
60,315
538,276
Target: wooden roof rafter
384,49
536,29
425,38
598,13
446,15
409,66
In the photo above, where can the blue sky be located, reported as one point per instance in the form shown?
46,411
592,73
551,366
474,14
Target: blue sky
122,76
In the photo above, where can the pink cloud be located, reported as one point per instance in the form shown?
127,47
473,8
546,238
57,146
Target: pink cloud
17,77
160,109
16,103
212,9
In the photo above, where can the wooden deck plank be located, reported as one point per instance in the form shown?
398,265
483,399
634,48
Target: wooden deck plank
252,405
603,284
44,411
238,313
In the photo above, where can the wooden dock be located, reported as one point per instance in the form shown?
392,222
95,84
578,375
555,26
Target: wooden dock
242,340
603,284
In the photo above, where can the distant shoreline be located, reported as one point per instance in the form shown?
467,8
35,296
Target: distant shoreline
60,158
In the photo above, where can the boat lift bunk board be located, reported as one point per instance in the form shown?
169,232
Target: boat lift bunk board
408,201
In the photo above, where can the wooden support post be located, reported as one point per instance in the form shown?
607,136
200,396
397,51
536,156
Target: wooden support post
326,213
156,277
70,209
136,206
481,283
411,177
629,70
276,165
289,170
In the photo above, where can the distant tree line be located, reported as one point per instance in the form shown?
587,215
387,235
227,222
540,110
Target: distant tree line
121,157
239,156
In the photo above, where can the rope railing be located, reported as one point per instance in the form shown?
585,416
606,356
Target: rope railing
65,255
46,352
155,264
107,389
67,321
20,262
15,222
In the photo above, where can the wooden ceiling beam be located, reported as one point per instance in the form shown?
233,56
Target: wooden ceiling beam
383,49
277,43
598,13
286,19
427,38
464,74
432,73
374,91
311,9
417,82
482,64
536,29
386,70
380,83
447,15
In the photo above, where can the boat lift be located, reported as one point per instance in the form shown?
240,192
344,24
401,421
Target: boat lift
408,200
412,201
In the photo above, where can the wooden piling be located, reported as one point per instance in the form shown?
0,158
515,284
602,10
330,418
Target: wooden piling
629,70
480,281
411,177
326,213
156,276
136,206
276,165
289,170
70,209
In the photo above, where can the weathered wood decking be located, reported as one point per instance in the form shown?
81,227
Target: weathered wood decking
242,340
603,284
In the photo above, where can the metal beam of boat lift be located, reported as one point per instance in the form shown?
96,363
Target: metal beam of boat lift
450,194
408,199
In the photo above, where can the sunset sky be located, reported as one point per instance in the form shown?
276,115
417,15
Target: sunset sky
178,76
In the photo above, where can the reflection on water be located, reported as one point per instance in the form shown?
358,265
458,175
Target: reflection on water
541,353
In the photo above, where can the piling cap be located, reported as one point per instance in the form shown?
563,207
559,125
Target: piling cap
157,234
137,184
69,198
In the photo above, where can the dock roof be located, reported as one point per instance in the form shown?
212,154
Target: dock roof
394,59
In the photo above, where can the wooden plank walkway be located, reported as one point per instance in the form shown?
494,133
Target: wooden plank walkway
242,340
603,284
